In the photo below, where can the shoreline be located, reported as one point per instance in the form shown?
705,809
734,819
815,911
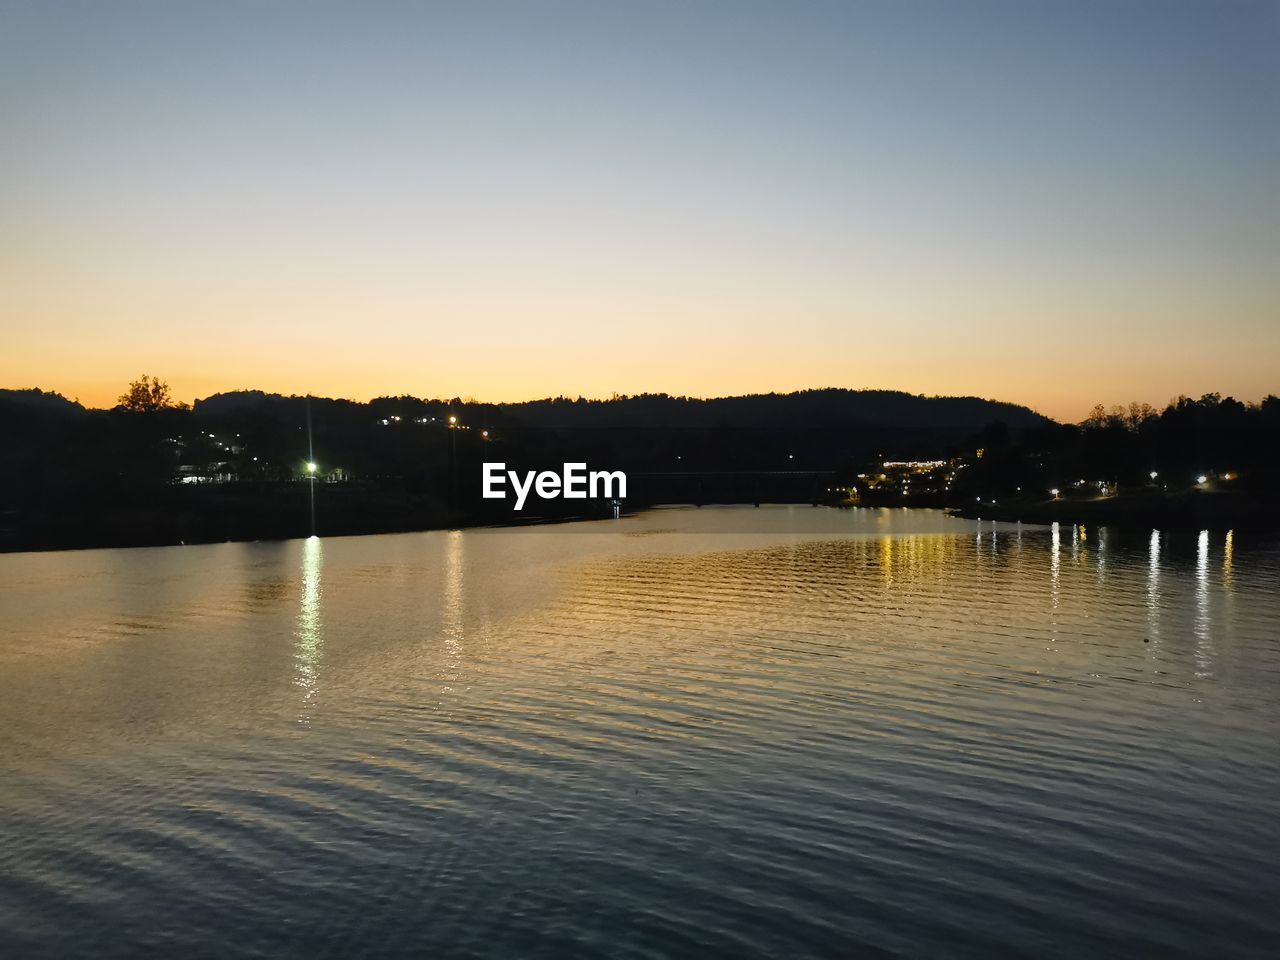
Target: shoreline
532,521
1185,511
1194,511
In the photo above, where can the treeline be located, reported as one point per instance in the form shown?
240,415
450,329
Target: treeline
1213,436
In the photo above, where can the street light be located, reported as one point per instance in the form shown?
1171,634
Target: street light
311,466
1054,491
1154,474
1202,479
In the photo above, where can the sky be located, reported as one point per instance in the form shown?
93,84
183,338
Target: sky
1055,204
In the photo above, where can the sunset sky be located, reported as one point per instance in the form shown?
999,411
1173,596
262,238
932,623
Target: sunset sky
1052,204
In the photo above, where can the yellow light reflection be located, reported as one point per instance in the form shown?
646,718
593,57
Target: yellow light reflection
886,559
1055,563
454,609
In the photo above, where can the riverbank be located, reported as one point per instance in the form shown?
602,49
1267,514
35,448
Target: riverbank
1187,510
175,514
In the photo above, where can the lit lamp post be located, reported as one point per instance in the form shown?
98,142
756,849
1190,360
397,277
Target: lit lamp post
451,508
311,469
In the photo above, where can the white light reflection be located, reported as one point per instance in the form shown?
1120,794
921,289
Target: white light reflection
309,636
1153,587
1204,638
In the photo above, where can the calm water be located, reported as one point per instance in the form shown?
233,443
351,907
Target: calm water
841,734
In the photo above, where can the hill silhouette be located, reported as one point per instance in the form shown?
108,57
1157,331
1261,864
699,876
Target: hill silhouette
829,407
37,402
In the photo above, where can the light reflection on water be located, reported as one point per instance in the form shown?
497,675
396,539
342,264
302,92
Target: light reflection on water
1153,588
1055,562
1204,639
837,734
1228,548
310,632
455,618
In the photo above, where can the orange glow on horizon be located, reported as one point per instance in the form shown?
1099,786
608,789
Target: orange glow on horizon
545,204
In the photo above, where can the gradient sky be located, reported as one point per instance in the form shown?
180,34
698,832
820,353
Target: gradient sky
1053,204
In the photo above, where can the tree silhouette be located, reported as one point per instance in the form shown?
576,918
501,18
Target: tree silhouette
147,395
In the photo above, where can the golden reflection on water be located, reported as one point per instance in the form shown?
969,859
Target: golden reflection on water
1228,549
309,635
1055,565
453,631
814,576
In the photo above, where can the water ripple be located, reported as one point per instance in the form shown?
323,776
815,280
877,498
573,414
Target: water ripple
895,735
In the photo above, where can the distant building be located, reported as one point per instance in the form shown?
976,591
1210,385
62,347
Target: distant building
206,473
908,477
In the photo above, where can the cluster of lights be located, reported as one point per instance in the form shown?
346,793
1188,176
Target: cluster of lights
387,421
905,471
914,464
455,425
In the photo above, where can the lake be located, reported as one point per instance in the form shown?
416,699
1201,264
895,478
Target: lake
689,733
